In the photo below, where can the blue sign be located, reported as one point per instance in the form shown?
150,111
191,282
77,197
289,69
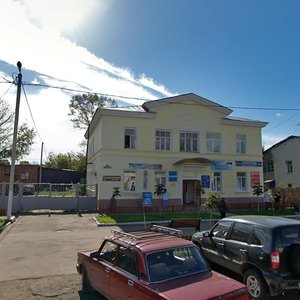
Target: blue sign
172,176
222,165
166,199
244,163
147,198
205,181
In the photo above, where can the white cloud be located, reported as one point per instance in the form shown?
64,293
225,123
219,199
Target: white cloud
31,32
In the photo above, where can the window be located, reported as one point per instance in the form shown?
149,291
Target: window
213,142
289,166
162,140
241,232
216,182
108,251
130,138
268,166
127,261
189,141
175,262
240,143
259,236
24,175
160,177
241,181
129,181
221,230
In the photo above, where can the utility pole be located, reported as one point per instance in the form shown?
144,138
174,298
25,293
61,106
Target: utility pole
41,166
13,156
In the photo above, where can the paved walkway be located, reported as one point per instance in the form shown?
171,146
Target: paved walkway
38,246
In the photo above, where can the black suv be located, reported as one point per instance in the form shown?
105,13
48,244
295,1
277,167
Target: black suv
264,250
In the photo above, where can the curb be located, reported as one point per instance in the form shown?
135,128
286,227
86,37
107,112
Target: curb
142,223
130,223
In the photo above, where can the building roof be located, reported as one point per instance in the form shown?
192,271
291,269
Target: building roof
198,100
145,112
291,137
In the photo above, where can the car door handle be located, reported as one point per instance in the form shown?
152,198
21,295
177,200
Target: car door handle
130,282
221,244
107,270
243,251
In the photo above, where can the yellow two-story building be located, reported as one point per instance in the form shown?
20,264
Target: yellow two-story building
182,142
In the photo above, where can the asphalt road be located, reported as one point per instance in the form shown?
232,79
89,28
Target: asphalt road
38,256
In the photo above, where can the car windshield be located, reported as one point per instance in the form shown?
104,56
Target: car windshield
289,235
175,262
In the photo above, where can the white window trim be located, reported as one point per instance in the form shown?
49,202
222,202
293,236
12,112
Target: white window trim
198,141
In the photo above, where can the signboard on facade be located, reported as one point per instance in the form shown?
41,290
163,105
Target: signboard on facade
111,178
255,179
245,163
136,166
147,198
172,176
205,181
222,165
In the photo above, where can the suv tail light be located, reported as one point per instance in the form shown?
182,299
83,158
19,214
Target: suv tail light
275,260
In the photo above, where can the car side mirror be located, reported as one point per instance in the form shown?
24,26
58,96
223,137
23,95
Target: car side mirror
206,234
94,254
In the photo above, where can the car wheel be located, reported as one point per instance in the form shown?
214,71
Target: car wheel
256,285
295,258
86,287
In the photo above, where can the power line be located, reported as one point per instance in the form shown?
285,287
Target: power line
6,91
31,114
84,91
144,99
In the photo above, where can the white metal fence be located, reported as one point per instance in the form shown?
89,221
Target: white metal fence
38,196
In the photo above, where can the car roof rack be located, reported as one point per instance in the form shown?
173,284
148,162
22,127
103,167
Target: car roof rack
166,230
118,233
154,228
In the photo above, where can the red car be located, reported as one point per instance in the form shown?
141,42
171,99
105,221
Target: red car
153,265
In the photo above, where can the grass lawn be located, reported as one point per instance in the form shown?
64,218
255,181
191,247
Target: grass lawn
123,218
2,222
154,217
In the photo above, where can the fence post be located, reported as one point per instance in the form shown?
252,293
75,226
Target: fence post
77,196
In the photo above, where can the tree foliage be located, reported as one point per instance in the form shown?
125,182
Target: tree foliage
70,160
82,108
25,137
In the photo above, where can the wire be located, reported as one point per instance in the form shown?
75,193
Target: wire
83,91
6,91
167,102
283,122
31,114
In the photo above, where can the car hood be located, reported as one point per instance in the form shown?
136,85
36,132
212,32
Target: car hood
210,285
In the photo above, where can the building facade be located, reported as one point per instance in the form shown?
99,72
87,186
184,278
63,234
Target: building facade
182,142
281,164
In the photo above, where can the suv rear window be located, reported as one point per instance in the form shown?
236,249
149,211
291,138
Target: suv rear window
289,235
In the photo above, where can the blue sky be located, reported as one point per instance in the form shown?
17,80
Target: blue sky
241,54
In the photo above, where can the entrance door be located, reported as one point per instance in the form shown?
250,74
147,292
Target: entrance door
188,191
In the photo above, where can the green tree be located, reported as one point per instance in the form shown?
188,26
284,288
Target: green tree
257,191
70,160
82,108
212,203
160,189
25,137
